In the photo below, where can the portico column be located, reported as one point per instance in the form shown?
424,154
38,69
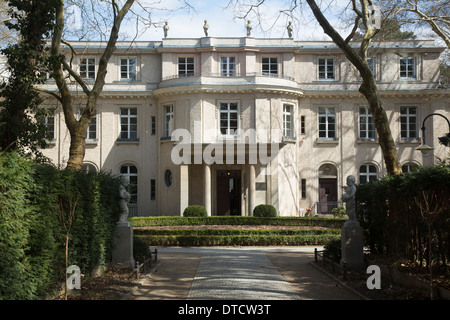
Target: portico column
207,188
251,190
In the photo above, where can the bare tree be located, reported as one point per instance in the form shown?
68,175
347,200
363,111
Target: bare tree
434,13
78,128
362,15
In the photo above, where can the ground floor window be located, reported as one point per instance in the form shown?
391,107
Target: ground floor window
367,173
132,172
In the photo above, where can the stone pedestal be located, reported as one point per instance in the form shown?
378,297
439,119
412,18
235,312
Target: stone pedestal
122,255
352,245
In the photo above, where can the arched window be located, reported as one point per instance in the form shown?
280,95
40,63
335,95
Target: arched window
89,167
409,167
367,173
132,173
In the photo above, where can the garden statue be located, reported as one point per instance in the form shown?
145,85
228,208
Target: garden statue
124,198
349,198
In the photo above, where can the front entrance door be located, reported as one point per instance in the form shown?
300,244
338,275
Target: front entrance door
229,192
327,195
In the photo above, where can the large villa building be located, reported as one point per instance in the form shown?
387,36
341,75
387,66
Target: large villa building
230,123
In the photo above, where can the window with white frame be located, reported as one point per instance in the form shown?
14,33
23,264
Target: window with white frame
288,121
227,66
49,122
128,123
367,173
408,123
92,128
168,121
87,68
228,114
270,66
409,167
326,69
327,123
407,68
186,66
367,131
371,62
131,172
128,69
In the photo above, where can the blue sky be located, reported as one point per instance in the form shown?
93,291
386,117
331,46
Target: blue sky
223,22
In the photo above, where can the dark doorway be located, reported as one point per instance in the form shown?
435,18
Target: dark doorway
228,192
327,196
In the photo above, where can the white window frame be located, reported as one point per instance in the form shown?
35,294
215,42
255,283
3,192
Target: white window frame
323,75
372,62
183,69
327,116
408,68
368,174
130,74
409,119
129,120
88,74
50,123
168,120
92,128
288,121
366,128
231,115
228,66
272,66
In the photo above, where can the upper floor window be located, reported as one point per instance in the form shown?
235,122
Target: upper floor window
92,128
168,121
228,118
185,67
327,123
87,68
288,125
367,173
49,121
270,66
228,66
128,124
371,62
408,123
367,131
326,69
128,69
407,68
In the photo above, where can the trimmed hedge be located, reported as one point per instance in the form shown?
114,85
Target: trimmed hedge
32,246
264,210
195,211
236,220
228,232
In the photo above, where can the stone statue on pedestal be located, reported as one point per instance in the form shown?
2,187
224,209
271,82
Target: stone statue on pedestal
249,28
206,28
124,198
166,29
349,198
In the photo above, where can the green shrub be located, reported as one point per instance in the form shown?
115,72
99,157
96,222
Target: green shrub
332,250
339,212
195,211
264,210
141,250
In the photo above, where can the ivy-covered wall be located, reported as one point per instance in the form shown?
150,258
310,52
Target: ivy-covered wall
33,200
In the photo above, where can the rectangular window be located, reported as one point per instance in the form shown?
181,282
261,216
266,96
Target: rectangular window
92,129
228,66
168,121
49,121
87,68
185,67
270,66
128,69
128,124
326,69
407,68
367,131
302,125
327,123
303,188
152,189
228,118
288,127
408,123
153,125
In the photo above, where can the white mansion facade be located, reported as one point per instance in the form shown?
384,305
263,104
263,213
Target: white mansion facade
294,104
